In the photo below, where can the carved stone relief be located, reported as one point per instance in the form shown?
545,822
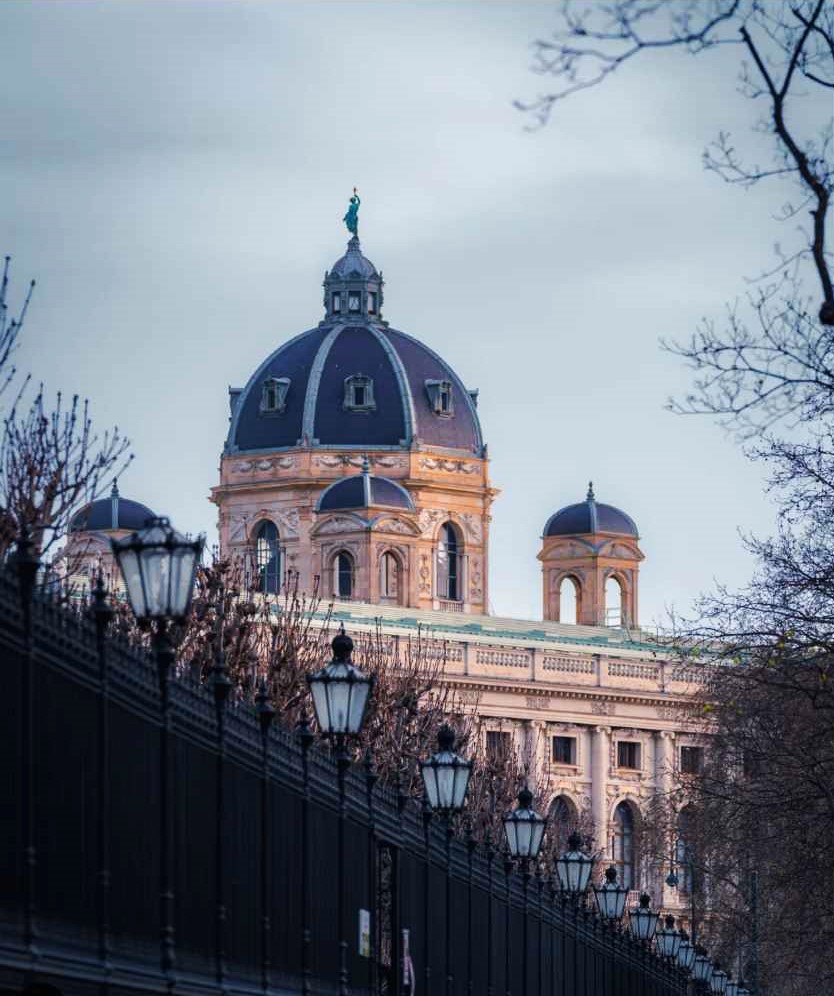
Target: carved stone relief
429,518
274,463
449,466
474,527
425,574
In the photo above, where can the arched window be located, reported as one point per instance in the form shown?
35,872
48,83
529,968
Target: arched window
568,601
614,599
389,577
268,558
624,851
343,571
449,580
563,820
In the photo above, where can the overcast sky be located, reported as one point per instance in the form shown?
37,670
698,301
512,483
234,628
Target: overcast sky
175,174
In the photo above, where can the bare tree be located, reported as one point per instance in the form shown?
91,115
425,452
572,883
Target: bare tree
786,50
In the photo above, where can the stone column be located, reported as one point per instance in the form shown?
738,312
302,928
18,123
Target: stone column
600,763
664,752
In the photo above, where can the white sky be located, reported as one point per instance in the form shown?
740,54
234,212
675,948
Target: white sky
174,175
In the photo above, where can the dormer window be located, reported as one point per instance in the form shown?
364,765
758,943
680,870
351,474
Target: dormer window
336,302
440,397
372,299
354,301
274,395
359,394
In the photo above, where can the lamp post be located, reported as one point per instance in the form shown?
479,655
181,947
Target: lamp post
524,829
446,778
265,712
668,940
340,695
158,565
642,919
611,899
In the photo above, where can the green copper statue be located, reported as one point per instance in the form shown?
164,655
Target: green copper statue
351,219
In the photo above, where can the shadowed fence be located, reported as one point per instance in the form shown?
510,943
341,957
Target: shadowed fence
249,830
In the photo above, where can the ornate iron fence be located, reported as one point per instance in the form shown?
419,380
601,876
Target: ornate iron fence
249,832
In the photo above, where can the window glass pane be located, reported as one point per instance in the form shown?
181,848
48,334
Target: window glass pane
268,558
497,744
372,303
353,301
623,844
564,750
628,754
337,302
344,575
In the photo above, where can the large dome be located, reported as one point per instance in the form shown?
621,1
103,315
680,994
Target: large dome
590,516
354,382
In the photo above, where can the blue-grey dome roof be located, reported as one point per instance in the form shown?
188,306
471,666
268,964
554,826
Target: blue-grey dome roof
113,512
362,491
301,394
590,516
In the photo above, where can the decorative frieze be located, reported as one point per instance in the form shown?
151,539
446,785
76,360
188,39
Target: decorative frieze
449,466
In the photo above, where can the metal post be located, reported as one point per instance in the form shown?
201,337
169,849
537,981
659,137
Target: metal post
342,765
508,867
470,850
102,614
164,653
27,569
266,714
305,738
426,889
370,781
221,686
448,917
540,886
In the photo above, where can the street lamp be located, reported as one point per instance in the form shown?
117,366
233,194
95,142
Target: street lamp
667,939
732,988
446,778
574,868
446,775
686,952
524,829
611,897
702,966
642,919
340,695
718,981
158,566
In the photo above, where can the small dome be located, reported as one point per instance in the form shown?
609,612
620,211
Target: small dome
353,264
363,490
113,512
590,516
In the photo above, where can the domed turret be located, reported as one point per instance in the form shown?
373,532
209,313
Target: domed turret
110,514
364,491
590,564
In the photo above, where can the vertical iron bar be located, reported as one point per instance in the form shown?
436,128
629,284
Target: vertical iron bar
426,890
470,850
27,568
525,941
164,653
370,781
342,765
540,885
448,916
305,738
508,867
490,855
266,714
102,614
221,686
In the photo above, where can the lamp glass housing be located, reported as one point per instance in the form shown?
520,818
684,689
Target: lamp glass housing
667,939
158,565
446,775
611,897
686,954
524,828
642,919
718,982
702,968
574,867
340,692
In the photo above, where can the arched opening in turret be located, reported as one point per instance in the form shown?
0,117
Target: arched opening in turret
390,578
268,557
569,601
614,602
344,570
